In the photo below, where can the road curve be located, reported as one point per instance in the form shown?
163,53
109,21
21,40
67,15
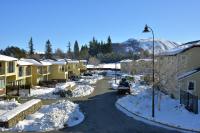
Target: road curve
101,115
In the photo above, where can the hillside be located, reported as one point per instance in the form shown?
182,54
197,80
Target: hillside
133,45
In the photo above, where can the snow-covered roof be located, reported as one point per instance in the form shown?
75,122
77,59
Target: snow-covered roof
110,66
127,60
44,63
106,66
34,62
180,49
58,62
90,66
7,58
83,61
73,61
146,60
24,63
188,73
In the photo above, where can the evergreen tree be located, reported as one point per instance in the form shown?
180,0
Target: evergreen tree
109,45
69,53
93,47
59,53
76,50
84,52
31,50
48,50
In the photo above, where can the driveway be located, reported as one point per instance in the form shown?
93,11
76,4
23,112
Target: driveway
101,115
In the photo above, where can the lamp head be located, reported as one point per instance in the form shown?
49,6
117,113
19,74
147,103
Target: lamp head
146,29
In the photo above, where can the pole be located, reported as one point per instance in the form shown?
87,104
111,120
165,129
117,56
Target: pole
115,72
153,90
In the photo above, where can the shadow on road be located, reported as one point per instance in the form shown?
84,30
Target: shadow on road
101,115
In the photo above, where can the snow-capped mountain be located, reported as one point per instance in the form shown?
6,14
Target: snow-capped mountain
133,45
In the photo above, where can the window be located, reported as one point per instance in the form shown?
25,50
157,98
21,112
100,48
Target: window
2,83
20,71
10,67
191,86
62,68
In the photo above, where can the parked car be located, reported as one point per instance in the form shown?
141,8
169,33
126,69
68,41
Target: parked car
124,87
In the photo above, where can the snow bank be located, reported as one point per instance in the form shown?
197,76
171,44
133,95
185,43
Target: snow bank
7,105
82,90
12,113
91,79
171,112
51,117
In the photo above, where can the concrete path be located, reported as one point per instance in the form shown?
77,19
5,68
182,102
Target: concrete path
101,115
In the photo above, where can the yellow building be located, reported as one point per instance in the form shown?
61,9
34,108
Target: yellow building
40,70
59,70
24,72
7,71
73,68
83,66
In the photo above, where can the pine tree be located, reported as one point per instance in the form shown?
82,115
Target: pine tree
31,50
48,51
76,50
109,45
69,53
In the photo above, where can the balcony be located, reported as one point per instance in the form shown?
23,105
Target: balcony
2,71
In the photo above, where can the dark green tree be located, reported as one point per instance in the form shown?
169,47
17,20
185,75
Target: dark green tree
31,49
109,45
84,52
76,50
14,52
48,50
69,52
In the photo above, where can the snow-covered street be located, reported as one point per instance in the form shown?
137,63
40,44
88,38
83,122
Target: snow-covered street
167,110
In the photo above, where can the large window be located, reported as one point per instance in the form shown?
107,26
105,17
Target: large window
11,67
62,68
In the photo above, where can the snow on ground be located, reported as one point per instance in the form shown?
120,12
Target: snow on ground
51,117
7,105
91,79
113,84
171,112
48,93
82,90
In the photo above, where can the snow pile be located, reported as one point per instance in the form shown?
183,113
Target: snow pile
82,90
48,93
113,84
51,117
63,86
5,106
44,93
169,112
91,79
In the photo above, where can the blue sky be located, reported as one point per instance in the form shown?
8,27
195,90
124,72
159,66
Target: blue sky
69,20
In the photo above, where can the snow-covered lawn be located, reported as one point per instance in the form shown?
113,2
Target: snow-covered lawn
48,93
171,112
82,90
7,105
50,117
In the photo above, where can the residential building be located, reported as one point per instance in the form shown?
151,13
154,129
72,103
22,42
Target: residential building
82,66
59,69
179,70
7,72
40,70
73,68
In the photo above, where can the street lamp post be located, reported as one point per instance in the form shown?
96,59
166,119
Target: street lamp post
149,29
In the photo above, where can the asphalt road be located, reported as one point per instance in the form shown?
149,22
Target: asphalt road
101,115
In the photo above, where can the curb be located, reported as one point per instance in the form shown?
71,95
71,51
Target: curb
164,125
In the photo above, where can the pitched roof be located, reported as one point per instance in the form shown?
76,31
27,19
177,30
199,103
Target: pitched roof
7,58
188,73
181,49
127,60
34,62
24,63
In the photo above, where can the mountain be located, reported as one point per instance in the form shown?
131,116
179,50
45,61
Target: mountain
134,45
